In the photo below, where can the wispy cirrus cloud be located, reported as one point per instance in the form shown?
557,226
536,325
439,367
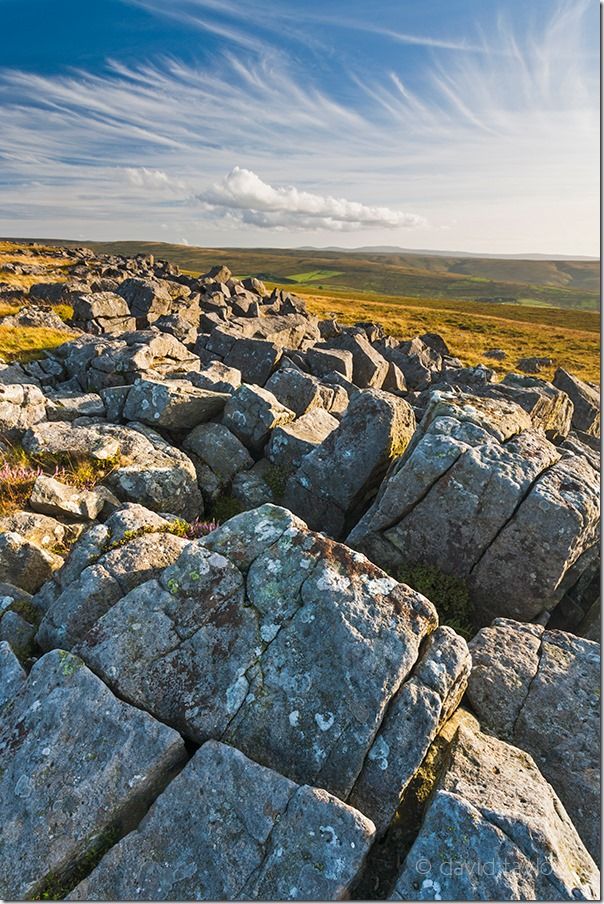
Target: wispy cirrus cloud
245,196
483,139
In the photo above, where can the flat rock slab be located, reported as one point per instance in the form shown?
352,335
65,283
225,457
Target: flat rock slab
494,830
539,690
229,829
172,404
271,638
74,763
148,470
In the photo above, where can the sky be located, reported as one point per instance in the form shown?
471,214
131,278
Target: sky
436,124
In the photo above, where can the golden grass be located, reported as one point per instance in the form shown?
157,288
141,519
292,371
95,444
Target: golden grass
470,331
26,343
11,253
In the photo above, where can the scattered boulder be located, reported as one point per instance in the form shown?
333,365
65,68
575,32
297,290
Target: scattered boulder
585,398
251,413
172,404
51,497
24,563
534,365
290,443
218,456
21,406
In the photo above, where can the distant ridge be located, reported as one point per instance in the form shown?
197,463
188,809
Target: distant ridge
428,252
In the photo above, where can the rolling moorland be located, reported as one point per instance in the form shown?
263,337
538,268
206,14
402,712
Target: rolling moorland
551,309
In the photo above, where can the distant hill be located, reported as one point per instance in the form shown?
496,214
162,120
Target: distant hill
570,283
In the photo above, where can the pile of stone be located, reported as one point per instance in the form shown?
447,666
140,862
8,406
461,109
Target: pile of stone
261,709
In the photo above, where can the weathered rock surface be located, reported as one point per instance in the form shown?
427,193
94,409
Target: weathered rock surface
415,715
25,563
148,469
475,491
21,406
294,658
495,830
585,398
74,763
252,412
335,480
539,690
290,443
173,404
292,842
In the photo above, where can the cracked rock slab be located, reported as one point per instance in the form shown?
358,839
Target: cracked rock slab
495,830
227,829
479,495
270,637
539,690
415,715
74,762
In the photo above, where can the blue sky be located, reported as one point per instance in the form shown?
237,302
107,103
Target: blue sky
445,124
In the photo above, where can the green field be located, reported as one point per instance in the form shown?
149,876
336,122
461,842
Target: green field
558,283
471,325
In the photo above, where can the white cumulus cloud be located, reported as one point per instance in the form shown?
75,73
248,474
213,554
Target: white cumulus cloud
155,180
243,196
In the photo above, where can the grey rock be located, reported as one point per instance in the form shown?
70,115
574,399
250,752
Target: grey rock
12,675
323,361
290,443
254,358
45,532
21,406
251,489
294,662
302,392
338,477
67,406
149,470
217,377
18,633
539,690
292,842
172,404
251,413
24,563
413,719
218,456
495,830
369,368
75,761
534,365
585,398
104,580
51,497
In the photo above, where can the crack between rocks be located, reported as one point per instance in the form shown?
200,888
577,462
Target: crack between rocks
509,520
540,652
398,520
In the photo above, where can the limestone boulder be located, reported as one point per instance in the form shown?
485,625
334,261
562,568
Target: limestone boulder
335,480
172,404
585,398
252,413
539,690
